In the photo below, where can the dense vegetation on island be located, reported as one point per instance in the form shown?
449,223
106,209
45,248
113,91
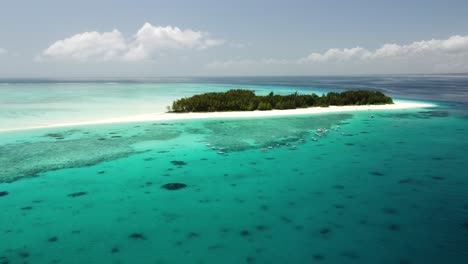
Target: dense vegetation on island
246,100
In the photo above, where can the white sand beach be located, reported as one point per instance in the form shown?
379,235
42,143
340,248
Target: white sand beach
398,105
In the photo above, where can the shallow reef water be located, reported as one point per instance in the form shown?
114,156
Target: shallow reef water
388,189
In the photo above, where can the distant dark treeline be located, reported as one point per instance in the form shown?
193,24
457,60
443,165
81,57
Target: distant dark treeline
246,100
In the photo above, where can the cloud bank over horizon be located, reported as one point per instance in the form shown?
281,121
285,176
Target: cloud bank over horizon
149,42
433,55
454,45
156,45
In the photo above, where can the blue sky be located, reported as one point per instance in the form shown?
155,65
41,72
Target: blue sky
178,38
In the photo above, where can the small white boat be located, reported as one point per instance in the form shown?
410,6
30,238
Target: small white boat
270,147
220,152
314,139
263,149
293,147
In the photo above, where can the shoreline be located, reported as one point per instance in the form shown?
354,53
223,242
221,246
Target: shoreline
398,105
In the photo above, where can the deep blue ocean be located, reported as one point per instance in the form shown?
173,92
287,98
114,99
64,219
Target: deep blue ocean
380,187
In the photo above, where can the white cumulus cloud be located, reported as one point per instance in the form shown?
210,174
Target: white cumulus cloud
435,47
148,42
336,54
88,45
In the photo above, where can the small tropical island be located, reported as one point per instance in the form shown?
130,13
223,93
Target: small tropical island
247,100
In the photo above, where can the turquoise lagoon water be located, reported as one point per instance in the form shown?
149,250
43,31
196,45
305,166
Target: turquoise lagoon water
388,189
26,105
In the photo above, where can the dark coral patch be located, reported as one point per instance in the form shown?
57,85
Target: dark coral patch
406,181
376,173
137,236
23,254
26,208
465,225
174,186
390,211
325,231
250,259
115,249
394,227
439,178
3,193
54,135
245,233
338,187
77,194
404,261
178,163
52,239
318,257
4,260
192,235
